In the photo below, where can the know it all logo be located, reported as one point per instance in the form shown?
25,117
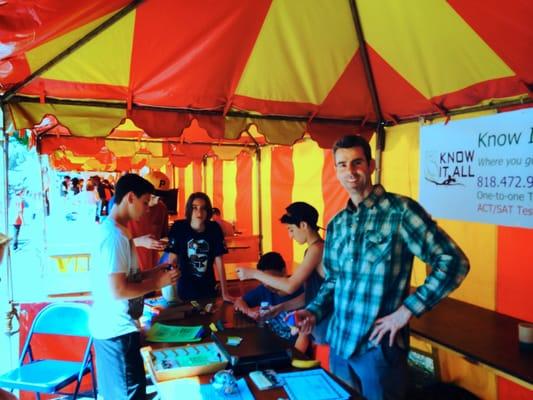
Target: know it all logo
445,168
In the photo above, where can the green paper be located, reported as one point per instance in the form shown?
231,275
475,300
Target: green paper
173,333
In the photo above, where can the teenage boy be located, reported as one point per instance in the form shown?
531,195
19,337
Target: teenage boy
271,263
196,244
118,289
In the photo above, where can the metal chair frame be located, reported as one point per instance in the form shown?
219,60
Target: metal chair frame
64,319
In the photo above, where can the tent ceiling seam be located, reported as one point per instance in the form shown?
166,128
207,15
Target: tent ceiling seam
524,100
184,110
151,140
465,110
366,61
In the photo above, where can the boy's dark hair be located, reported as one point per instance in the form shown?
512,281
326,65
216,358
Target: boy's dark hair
132,183
208,206
298,212
350,141
271,261
216,211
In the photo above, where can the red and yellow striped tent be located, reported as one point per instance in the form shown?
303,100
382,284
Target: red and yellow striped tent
273,72
227,63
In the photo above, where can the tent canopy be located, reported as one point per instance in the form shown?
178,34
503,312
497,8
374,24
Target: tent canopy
288,67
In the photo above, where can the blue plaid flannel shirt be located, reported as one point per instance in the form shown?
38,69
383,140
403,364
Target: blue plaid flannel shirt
368,257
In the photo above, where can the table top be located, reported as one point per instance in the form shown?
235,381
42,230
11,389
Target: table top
481,335
230,319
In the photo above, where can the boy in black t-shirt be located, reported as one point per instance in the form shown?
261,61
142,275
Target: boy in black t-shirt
197,244
273,264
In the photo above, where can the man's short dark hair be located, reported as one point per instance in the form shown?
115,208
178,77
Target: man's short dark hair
271,261
350,141
132,183
205,198
216,211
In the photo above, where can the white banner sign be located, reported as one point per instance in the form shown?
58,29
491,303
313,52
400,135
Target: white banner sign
479,169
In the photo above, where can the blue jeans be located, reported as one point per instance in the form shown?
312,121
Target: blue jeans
120,368
378,374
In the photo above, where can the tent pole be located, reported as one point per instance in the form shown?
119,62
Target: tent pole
5,197
259,199
5,146
380,145
173,170
104,25
204,174
9,307
9,338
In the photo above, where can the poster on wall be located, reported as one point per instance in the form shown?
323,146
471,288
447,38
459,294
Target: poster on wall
479,169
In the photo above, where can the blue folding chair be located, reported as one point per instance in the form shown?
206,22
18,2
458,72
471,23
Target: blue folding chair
51,376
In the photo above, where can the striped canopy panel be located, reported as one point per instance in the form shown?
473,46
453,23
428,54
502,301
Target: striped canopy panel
225,62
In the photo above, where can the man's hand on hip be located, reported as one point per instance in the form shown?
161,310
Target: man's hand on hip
391,324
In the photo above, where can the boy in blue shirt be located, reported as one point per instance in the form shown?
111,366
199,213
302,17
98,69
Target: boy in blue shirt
273,264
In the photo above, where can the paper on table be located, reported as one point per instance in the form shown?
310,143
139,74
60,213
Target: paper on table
244,393
191,389
172,333
314,384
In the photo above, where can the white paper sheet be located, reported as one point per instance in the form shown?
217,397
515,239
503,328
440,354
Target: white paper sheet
313,384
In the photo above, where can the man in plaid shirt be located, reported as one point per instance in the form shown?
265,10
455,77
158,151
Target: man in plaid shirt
368,257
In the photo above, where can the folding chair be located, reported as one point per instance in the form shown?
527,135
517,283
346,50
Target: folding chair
51,376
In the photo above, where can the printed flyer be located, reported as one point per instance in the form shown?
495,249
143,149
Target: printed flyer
479,169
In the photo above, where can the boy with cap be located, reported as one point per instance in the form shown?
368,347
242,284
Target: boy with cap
302,224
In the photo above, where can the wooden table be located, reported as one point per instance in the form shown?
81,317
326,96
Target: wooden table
225,313
482,336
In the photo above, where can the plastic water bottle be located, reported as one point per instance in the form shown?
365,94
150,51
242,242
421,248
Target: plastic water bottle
264,307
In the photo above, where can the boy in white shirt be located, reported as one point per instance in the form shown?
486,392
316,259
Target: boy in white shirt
118,289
